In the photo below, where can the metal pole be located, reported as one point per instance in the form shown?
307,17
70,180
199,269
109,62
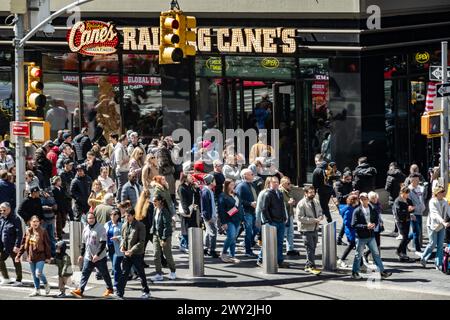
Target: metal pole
19,90
196,258
444,119
329,246
269,250
75,230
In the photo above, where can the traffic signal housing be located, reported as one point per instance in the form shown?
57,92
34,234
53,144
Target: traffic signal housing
431,124
39,131
187,34
169,51
35,98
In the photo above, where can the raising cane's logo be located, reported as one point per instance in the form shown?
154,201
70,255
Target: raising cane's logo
93,38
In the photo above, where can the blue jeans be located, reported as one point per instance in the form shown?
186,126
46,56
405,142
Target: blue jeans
249,224
436,239
360,245
117,269
37,270
50,227
184,241
416,232
280,239
290,234
230,241
88,267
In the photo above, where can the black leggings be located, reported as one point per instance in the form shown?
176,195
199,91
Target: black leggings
350,247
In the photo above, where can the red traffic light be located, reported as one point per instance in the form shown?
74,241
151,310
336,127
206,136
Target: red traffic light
171,23
36,72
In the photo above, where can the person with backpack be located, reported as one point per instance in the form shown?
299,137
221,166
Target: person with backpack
364,176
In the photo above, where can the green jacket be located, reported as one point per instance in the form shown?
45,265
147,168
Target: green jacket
286,197
133,237
163,226
64,266
159,189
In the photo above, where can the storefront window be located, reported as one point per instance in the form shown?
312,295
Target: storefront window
62,92
57,61
310,67
101,63
395,66
142,106
101,106
207,66
141,64
260,67
6,100
420,61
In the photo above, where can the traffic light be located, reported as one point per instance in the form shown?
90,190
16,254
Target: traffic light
186,33
35,98
431,124
39,131
169,52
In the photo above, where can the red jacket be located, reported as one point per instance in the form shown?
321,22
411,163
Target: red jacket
52,155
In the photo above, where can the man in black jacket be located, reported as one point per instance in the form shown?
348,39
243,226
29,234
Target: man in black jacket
323,189
275,214
395,177
66,179
80,189
364,221
93,165
82,144
364,176
31,206
10,240
7,190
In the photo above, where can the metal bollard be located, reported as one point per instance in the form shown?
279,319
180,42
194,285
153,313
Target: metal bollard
269,242
75,230
196,259
329,246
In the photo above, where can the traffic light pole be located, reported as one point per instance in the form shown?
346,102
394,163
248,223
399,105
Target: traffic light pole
19,42
19,89
444,119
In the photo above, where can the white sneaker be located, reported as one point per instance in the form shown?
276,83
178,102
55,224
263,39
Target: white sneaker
6,281
225,258
342,264
158,277
17,284
418,253
35,293
235,260
172,276
47,288
400,237
145,296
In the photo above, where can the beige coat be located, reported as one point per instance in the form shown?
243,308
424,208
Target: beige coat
305,215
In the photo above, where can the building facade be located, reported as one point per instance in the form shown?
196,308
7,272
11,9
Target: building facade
335,86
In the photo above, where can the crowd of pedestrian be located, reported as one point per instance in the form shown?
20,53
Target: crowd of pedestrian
126,194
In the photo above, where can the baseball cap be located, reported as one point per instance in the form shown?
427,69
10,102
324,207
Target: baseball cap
363,195
80,167
35,189
66,135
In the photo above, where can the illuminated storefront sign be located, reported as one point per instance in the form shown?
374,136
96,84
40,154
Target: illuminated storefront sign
96,37
93,38
422,57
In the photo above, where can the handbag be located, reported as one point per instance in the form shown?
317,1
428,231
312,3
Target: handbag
232,211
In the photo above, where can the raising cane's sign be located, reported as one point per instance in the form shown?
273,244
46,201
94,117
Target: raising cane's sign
93,38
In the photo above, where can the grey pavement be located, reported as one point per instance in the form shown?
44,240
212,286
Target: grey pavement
246,281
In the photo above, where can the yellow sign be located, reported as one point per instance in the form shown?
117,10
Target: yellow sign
422,57
214,64
270,63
